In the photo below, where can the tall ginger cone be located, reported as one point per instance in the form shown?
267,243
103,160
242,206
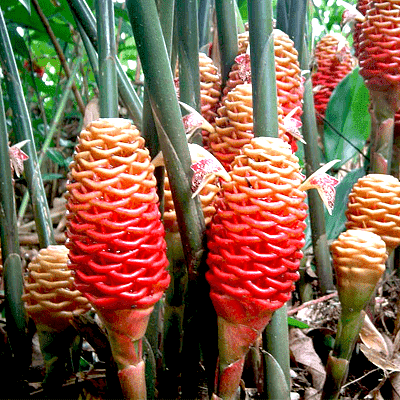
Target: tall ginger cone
332,62
254,240
378,54
52,301
359,258
289,82
374,205
116,239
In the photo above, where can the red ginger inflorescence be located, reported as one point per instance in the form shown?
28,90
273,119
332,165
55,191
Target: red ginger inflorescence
115,235
333,61
379,45
256,236
362,6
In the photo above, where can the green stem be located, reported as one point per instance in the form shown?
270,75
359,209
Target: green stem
107,59
262,55
53,128
23,131
348,329
282,15
148,35
129,97
12,269
188,39
205,18
227,35
276,342
298,12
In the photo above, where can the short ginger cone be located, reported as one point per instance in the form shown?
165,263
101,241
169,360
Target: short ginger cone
332,62
359,258
254,240
116,238
374,205
234,126
50,297
52,301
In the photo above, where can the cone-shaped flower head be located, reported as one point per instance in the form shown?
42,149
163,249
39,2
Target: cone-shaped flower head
359,258
332,62
234,126
287,70
49,294
374,205
114,231
256,236
379,45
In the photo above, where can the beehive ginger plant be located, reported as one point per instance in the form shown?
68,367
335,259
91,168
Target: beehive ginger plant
116,239
255,241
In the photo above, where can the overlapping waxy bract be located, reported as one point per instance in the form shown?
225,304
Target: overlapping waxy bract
234,126
210,91
362,6
256,236
379,45
332,62
289,82
207,198
359,258
49,294
374,205
115,235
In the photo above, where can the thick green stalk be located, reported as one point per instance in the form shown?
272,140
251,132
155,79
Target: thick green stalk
107,59
82,12
90,51
156,67
53,128
282,14
23,131
12,270
262,56
188,52
316,207
349,327
227,35
205,20
276,342
298,12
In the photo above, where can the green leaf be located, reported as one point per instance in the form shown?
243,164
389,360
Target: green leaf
335,222
296,323
26,4
52,177
56,156
276,387
347,116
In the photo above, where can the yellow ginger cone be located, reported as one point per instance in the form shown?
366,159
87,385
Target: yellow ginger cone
52,301
234,126
359,258
50,297
374,205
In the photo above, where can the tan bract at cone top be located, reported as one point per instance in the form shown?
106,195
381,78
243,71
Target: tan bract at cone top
374,205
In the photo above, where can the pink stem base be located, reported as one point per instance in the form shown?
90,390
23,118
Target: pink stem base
125,329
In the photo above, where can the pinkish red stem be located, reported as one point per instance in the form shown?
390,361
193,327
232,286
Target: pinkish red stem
125,329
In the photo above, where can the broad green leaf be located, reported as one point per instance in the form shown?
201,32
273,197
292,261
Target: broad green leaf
347,116
26,4
335,222
298,324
